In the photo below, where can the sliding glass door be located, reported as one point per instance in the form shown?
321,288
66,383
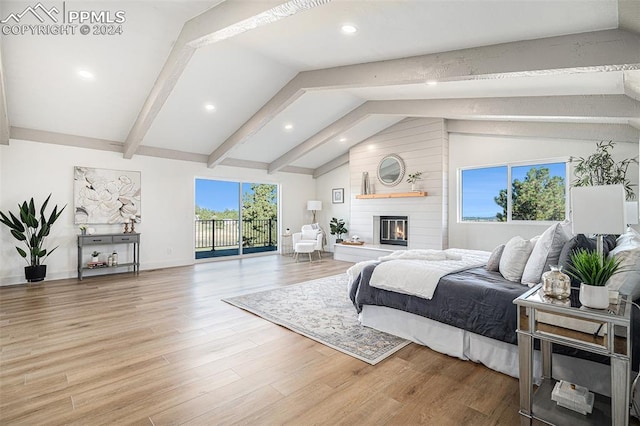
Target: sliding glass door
217,221
259,217
235,218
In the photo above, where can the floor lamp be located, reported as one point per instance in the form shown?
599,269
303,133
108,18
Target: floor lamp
598,210
314,206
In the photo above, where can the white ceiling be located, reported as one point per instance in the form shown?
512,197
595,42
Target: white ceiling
241,74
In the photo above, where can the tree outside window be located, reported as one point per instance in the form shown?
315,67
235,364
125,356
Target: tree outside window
538,193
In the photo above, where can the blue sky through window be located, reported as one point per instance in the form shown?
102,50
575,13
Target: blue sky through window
219,195
481,186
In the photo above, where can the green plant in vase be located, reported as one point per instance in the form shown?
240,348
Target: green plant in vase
593,271
27,227
412,178
337,227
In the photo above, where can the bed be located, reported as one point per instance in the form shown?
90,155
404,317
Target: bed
470,316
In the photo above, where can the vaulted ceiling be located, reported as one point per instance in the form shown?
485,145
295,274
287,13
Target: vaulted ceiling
279,86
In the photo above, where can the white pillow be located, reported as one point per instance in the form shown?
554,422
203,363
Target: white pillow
545,252
514,258
627,241
493,264
627,281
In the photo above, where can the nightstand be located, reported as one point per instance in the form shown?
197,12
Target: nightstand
605,332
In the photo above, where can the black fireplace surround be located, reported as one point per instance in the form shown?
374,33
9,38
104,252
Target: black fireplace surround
394,230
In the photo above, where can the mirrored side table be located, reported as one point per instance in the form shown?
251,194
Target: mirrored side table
601,331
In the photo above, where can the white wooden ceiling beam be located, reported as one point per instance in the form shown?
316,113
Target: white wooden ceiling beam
582,131
496,116
601,51
597,108
631,82
348,121
331,165
285,97
66,139
43,136
223,21
4,112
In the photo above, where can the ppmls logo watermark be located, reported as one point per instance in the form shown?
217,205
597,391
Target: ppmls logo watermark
42,20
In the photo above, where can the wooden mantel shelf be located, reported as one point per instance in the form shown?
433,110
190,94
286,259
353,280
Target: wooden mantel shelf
393,195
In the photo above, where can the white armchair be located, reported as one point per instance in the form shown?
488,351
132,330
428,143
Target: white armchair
309,235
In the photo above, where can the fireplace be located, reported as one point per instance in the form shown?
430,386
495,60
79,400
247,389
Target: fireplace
394,230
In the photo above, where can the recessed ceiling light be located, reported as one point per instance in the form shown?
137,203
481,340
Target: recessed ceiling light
349,29
86,74
432,83
209,107
342,140
288,126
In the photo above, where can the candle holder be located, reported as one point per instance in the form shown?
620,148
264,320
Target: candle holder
133,225
126,228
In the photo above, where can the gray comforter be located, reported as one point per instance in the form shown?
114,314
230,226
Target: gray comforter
475,300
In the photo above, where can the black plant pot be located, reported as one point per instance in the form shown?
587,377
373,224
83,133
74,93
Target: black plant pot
35,273
338,240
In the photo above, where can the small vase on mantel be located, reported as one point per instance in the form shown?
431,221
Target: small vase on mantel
556,283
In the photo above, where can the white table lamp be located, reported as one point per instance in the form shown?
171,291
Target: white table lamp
314,206
598,210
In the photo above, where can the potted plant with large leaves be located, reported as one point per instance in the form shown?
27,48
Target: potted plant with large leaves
32,230
593,272
338,228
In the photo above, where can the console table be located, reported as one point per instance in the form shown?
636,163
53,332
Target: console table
566,322
109,239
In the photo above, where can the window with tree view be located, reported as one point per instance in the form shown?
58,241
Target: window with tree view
537,193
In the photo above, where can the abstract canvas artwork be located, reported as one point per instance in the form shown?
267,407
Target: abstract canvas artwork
103,196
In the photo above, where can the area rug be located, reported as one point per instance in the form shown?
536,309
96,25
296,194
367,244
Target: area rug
321,310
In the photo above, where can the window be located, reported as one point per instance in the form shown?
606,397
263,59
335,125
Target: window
234,218
537,193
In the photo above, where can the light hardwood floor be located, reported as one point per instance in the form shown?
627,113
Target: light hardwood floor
161,348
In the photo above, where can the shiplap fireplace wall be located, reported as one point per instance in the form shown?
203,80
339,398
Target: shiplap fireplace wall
423,144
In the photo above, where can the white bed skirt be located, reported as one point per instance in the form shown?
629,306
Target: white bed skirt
496,355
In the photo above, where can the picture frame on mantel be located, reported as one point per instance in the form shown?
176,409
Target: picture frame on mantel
337,195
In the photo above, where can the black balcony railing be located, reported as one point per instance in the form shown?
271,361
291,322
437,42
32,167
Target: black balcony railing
216,234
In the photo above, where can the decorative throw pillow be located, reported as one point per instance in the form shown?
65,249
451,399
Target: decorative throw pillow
309,235
514,258
493,264
546,252
627,241
627,281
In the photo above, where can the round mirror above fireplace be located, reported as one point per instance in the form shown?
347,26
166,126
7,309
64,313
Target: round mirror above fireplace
391,170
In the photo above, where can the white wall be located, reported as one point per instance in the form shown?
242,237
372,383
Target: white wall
422,144
473,150
338,178
37,169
